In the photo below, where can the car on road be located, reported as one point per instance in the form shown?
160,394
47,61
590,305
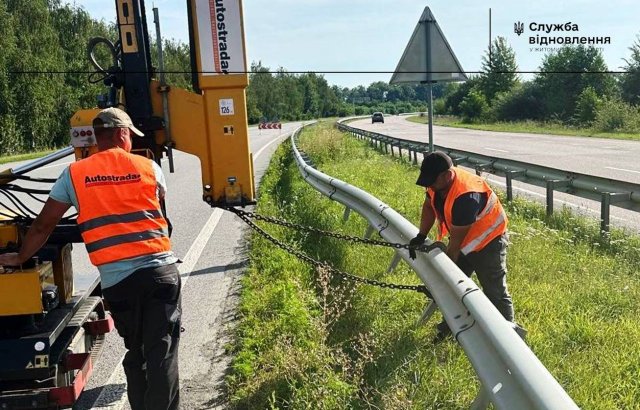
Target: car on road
377,117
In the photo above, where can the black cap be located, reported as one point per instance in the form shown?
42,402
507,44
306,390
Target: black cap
433,165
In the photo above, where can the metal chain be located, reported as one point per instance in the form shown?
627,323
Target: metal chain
344,275
355,239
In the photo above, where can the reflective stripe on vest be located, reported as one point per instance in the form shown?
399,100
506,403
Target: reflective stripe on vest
119,219
490,223
119,213
471,246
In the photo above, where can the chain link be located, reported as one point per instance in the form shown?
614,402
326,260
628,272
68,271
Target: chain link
246,217
355,239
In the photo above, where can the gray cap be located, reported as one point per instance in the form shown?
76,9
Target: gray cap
115,118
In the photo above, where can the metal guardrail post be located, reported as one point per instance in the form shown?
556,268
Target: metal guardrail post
369,232
394,262
347,212
481,402
429,310
551,185
510,175
480,168
607,199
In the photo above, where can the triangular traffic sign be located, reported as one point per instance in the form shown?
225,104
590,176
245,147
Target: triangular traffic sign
412,67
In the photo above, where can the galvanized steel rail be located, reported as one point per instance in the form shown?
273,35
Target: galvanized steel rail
510,373
607,191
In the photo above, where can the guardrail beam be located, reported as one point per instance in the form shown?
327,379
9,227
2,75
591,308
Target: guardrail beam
512,374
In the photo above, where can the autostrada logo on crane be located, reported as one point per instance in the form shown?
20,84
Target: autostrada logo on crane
221,52
220,37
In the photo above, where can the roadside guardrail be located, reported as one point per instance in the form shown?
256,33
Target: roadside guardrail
605,190
510,373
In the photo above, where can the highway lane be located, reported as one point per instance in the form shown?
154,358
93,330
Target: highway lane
617,159
212,245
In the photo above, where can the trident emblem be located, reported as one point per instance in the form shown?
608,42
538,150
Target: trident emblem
518,28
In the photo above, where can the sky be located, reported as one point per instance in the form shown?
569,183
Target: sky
370,35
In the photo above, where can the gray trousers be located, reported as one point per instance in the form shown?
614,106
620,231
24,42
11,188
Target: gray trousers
146,311
490,265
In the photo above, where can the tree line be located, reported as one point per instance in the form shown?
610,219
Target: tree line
44,79
572,87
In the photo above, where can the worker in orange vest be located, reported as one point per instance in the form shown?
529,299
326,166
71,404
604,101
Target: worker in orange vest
117,195
466,208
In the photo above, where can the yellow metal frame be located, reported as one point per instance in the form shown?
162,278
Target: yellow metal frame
8,231
21,291
220,141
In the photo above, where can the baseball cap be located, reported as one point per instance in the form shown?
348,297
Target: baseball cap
115,118
433,165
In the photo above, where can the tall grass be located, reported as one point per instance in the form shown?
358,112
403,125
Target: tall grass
307,340
23,157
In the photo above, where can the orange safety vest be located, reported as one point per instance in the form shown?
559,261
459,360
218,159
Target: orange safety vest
119,213
490,223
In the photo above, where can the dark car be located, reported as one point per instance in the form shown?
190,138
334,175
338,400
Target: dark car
377,117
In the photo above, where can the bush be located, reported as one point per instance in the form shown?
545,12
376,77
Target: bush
521,103
474,106
617,116
454,99
439,107
587,106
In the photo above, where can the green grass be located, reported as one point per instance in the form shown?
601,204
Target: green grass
532,127
310,341
24,157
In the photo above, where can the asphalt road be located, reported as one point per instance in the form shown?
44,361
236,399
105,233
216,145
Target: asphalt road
609,158
211,245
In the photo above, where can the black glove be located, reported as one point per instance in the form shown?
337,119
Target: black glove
415,243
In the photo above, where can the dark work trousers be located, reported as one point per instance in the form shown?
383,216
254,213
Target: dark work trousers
146,311
490,265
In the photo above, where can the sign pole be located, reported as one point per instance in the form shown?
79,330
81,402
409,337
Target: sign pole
429,84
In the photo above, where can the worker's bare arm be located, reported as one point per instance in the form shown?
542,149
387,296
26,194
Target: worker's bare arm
456,236
37,235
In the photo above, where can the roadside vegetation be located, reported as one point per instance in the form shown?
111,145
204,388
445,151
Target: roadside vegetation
310,341
24,157
572,94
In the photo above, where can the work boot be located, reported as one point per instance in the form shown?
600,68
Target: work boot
442,332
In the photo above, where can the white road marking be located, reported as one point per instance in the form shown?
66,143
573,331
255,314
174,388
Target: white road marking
495,149
56,165
622,169
261,150
114,395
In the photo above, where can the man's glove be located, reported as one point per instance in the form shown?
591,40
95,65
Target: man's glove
415,243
